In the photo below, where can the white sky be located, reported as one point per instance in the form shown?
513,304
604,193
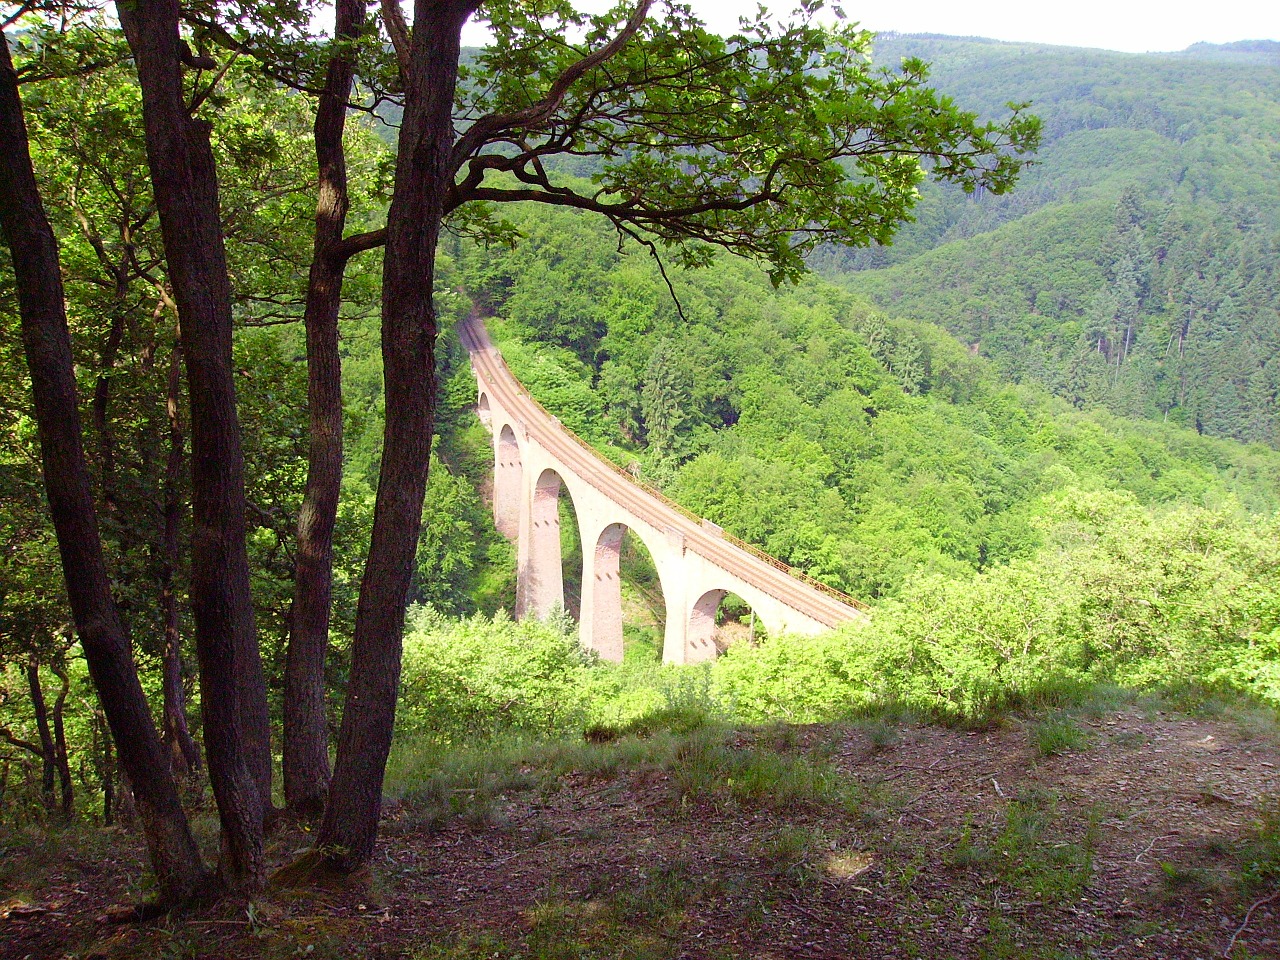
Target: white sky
1132,25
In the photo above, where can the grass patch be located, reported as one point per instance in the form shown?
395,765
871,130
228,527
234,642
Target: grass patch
1260,855
871,802
968,852
1056,735
1030,856
1181,879
678,718
707,769
1104,699
438,782
789,850
880,733
638,921
1028,853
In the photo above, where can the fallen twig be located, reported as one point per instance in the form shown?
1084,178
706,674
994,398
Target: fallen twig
1163,836
912,813
1231,945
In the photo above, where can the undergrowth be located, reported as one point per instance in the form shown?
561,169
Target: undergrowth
702,759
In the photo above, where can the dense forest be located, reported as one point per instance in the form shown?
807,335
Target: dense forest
1037,430
1135,268
880,455
176,379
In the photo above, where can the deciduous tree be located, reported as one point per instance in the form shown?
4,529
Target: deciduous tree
769,143
47,345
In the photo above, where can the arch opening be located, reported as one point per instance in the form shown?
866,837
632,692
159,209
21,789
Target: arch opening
484,412
627,610
720,618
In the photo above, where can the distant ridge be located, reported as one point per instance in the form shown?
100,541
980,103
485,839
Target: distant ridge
1237,51
1156,184
1249,51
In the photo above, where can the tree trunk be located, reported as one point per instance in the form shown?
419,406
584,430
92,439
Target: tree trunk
47,343
237,735
102,402
423,175
61,759
107,769
184,758
47,751
306,730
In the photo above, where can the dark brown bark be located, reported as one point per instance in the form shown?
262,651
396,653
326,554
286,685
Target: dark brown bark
233,692
423,176
184,758
61,759
47,343
106,769
47,752
126,807
306,730
102,402
31,748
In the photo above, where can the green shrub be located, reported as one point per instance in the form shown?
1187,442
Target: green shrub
1115,596
473,678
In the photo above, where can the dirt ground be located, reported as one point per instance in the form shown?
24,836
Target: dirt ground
1121,835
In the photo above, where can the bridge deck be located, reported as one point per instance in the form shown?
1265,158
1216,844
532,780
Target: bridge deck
805,594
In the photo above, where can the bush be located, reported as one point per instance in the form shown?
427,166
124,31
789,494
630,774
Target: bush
1115,595
476,677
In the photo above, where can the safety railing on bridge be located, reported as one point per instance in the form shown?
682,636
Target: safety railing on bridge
662,498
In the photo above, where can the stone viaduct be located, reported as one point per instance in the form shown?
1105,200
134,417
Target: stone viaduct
697,562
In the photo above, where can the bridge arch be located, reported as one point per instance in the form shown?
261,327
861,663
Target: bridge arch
700,634
703,631
484,412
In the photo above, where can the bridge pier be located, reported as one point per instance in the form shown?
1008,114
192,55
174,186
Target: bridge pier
600,623
540,575
508,482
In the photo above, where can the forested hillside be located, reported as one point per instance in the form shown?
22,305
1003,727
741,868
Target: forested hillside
864,449
230,373
1135,268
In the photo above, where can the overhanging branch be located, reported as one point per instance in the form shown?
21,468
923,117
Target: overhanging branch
536,115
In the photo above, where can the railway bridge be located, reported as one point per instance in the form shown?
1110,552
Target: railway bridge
697,562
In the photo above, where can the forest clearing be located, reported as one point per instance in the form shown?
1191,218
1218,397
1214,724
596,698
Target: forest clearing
1122,828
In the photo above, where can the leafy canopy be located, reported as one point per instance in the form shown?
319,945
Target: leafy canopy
769,142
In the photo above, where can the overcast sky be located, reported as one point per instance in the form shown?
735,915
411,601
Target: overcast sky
1133,25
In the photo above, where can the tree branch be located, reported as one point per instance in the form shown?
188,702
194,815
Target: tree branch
534,115
200,97
652,247
632,212
348,247
27,745
398,30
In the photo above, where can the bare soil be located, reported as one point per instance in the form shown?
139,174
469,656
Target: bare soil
941,843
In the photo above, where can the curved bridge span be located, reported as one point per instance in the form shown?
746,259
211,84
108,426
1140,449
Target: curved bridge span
697,562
